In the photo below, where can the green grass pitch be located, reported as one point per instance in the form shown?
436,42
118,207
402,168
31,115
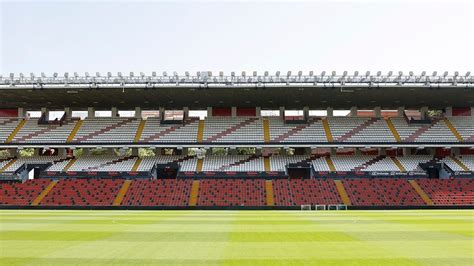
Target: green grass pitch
415,237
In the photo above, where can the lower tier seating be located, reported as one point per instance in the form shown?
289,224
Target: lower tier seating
449,192
382,192
291,192
232,192
160,192
83,192
21,193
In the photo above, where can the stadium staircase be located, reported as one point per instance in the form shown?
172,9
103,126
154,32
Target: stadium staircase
74,131
200,132
269,193
15,131
168,130
232,129
266,164
420,131
266,130
199,164
398,164
6,166
105,130
41,131
420,192
330,163
327,130
369,162
357,129
69,164
453,129
460,163
296,129
393,129
342,192
136,164
121,194
44,193
193,197
140,128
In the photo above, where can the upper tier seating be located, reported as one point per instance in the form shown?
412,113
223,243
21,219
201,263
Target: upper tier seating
7,125
154,131
381,192
31,160
295,192
231,163
31,132
233,129
21,193
468,161
458,191
464,126
346,163
160,192
231,192
107,129
313,131
188,164
83,192
438,132
101,163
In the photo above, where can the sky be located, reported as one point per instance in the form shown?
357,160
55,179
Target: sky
145,36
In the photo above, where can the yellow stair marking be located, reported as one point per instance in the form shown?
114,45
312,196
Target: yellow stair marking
461,164
199,164
140,128
200,133
74,131
420,192
5,167
393,129
266,164
43,194
327,129
399,164
69,164
136,164
266,130
342,192
15,131
269,193
330,164
121,194
453,129
193,197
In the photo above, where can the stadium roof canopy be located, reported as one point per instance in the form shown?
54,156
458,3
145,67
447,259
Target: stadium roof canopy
293,91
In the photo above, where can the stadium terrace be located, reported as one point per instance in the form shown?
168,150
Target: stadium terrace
246,141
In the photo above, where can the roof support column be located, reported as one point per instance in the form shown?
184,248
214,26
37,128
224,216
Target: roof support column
329,112
377,111
209,111
258,111
114,112
306,112
138,112
449,111
162,113
90,112
353,112
423,112
400,111
233,111
185,112
21,112
68,112
45,112
282,111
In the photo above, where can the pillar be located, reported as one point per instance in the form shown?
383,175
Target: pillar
134,151
353,112
378,111
68,112
36,152
423,111
406,151
110,151
90,112
306,112
158,151
333,152
138,112
45,112
358,151
233,151
209,111
282,112
21,112
233,111
382,151
13,152
307,151
114,112
400,111
162,112
449,111
185,151
258,111
185,112
329,112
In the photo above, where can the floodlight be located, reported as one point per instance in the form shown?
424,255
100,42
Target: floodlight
423,73
356,73
132,74
344,73
468,73
255,73
323,73
165,74
42,75
109,74
367,73
435,73
66,74
185,73
209,73
232,74
333,73
311,73
153,74
456,73
174,74
198,74
243,73
119,74
221,74
87,74
12,75
390,73
379,73
400,73
55,74
278,73
288,73
21,75
76,75
266,73
32,75
300,73
445,73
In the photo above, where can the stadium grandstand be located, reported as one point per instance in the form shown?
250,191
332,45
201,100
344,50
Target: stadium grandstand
239,141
